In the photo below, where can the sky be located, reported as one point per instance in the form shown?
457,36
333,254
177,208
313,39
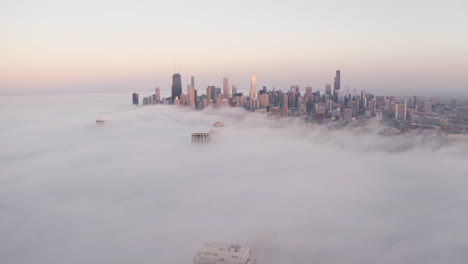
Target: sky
136,190
390,47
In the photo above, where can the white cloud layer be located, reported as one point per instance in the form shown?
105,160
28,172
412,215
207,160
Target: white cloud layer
135,190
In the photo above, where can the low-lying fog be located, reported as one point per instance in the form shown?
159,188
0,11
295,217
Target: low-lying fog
136,190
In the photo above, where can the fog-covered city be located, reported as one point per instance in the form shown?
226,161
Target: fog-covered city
137,190
234,132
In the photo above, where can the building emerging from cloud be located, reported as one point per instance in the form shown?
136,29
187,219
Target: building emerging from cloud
214,253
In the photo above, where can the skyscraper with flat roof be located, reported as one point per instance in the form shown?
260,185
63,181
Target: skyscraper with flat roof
157,93
253,87
428,107
191,96
135,98
400,111
226,87
176,86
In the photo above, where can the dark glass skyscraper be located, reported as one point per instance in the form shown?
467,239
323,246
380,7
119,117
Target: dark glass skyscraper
176,86
337,80
135,98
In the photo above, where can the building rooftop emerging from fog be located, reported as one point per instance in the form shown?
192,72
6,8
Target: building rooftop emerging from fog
218,124
214,253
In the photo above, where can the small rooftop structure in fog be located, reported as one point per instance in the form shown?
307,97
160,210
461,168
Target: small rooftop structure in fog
200,137
215,253
218,124
100,121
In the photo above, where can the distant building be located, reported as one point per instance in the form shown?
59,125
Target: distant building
378,114
253,87
214,253
308,94
135,98
337,83
191,96
157,93
176,101
347,114
400,111
176,86
328,89
253,93
234,90
209,94
200,137
410,114
226,87
428,107
373,106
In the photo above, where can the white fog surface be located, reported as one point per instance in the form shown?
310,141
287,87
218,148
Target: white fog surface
136,190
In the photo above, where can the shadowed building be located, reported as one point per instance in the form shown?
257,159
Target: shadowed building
135,98
337,85
226,87
176,86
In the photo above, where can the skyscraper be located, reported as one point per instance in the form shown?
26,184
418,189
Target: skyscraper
135,98
253,92
428,107
191,96
328,89
234,90
337,80
176,85
192,81
253,87
157,93
400,111
209,94
226,87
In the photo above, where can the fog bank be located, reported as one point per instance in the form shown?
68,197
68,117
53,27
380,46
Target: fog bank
136,190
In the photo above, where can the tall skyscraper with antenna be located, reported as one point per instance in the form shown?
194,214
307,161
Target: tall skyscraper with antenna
337,85
176,86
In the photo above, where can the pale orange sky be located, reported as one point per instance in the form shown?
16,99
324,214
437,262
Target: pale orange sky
59,45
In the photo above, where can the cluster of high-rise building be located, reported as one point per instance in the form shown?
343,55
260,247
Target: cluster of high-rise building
336,104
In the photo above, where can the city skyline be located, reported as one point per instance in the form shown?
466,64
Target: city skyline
322,107
389,45
234,132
